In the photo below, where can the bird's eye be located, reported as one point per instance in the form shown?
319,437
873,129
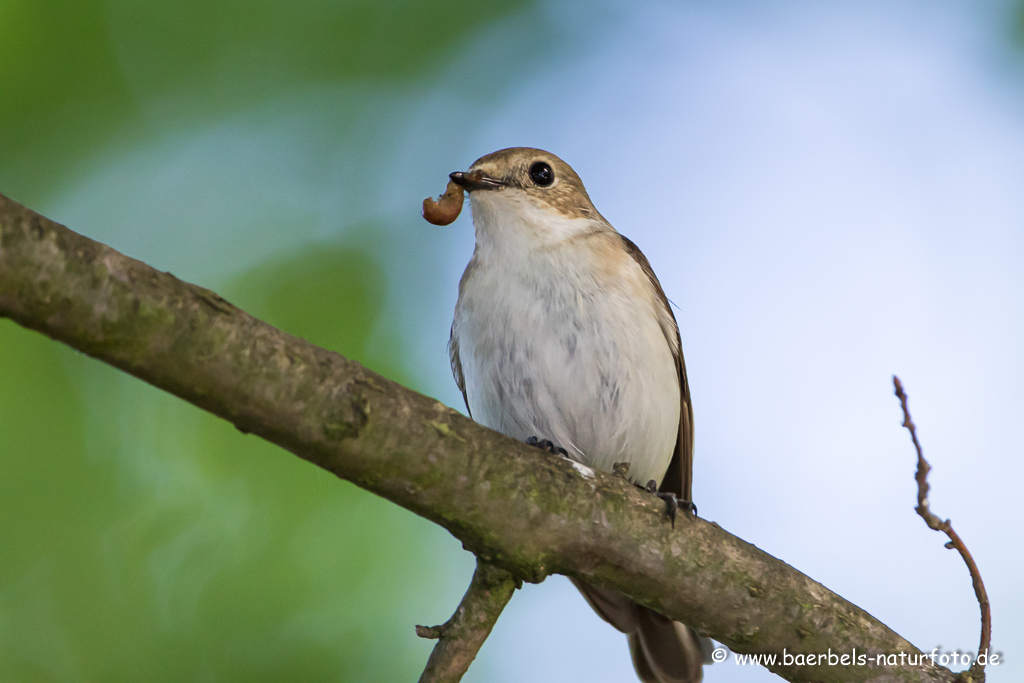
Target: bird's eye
541,174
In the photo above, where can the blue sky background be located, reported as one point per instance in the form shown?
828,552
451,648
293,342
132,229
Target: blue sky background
830,194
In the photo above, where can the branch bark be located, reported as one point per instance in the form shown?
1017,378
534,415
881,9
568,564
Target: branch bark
460,638
514,506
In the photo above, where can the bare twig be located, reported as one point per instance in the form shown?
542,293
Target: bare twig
977,670
460,638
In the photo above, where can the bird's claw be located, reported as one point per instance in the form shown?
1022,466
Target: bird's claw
671,502
547,445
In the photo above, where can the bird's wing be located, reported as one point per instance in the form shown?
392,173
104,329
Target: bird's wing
460,379
678,478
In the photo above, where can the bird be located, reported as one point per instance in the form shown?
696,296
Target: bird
563,337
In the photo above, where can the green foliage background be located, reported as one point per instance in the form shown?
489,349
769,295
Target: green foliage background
141,539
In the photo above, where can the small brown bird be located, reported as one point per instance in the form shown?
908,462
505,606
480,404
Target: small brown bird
562,332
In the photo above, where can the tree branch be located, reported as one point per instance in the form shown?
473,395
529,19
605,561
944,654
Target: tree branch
460,638
977,669
514,506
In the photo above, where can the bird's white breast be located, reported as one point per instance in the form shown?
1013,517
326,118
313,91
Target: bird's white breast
561,339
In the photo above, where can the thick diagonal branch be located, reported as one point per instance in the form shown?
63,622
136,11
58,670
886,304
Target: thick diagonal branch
513,506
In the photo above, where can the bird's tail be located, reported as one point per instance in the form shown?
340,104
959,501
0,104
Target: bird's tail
664,651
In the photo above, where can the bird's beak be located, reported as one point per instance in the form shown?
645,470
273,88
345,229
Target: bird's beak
475,180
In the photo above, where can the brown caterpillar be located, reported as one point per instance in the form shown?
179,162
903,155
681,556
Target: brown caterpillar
447,207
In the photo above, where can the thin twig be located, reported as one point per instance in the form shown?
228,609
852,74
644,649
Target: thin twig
460,638
977,670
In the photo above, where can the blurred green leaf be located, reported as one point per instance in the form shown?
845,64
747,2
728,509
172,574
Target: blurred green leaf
328,294
78,75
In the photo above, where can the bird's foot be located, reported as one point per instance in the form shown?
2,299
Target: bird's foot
547,445
671,502
621,469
